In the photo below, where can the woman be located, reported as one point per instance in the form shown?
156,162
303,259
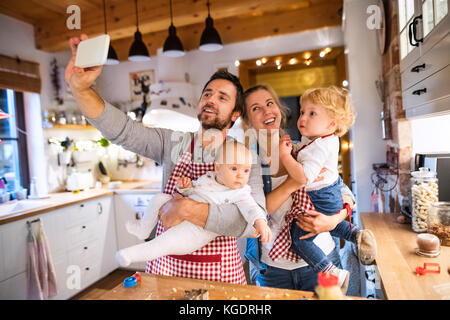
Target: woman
265,116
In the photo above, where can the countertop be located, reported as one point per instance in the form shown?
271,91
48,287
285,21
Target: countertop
156,287
397,261
61,199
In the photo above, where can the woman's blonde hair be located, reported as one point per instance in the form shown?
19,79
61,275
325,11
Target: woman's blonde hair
337,103
275,97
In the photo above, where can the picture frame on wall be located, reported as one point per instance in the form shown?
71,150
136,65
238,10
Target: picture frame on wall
140,82
227,66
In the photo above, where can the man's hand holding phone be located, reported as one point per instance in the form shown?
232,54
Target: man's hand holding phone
80,79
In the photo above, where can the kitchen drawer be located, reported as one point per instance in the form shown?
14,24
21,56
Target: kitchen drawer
90,273
14,288
88,251
81,233
434,60
436,87
83,212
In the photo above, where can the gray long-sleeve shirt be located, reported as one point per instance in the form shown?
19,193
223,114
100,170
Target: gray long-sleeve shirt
165,147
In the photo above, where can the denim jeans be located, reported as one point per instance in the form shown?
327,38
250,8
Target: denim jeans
328,201
304,278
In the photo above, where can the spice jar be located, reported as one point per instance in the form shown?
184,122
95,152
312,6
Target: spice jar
424,190
439,221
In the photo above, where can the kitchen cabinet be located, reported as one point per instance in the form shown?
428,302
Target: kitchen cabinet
424,45
82,242
130,206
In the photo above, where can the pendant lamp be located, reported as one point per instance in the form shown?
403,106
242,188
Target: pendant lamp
210,40
138,50
112,55
172,46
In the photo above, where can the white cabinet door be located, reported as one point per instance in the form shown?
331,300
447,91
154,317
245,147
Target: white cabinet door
129,207
13,250
106,236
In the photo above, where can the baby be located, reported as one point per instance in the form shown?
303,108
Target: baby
226,184
325,115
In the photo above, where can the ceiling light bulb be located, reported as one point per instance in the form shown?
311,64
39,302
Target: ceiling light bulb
237,63
327,50
292,61
322,54
307,55
345,83
308,62
258,62
277,62
264,60
279,67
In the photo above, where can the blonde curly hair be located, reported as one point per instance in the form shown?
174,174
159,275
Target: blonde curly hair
337,103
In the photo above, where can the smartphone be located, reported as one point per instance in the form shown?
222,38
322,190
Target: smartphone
92,52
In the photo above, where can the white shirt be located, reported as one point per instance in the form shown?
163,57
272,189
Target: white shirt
276,224
211,191
321,153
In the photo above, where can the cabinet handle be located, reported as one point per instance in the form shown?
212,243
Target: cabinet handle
85,248
87,268
418,67
84,227
420,91
412,32
415,29
82,205
99,208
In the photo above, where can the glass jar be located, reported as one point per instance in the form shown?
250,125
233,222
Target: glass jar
439,221
424,191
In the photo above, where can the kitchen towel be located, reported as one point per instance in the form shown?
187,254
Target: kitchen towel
41,271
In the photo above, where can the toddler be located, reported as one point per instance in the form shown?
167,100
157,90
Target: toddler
226,184
325,115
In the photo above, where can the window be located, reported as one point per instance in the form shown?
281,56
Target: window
13,149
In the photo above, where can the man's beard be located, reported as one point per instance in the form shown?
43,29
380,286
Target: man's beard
216,123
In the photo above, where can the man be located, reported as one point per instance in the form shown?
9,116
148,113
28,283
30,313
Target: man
220,105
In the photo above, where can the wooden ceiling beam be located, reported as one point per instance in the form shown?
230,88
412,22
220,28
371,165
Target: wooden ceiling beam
52,35
243,28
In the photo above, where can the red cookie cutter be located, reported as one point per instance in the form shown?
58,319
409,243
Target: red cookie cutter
429,268
137,276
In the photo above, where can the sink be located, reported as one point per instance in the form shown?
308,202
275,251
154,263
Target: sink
14,207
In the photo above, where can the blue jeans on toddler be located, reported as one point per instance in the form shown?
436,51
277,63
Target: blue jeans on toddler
328,201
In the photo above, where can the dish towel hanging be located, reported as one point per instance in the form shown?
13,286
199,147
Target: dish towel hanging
41,271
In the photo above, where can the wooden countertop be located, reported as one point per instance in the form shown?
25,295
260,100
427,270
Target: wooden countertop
61,199
156,287
397,261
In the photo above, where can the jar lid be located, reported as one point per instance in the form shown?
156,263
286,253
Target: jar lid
327,280
423,173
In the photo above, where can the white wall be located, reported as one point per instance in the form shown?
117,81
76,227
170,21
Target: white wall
364,67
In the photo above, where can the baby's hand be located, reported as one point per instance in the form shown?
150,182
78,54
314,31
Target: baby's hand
263,230
183,182
285,147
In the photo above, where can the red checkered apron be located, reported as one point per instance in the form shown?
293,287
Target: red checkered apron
219,260
282,244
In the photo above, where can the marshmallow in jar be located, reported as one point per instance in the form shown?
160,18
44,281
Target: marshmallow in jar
424,191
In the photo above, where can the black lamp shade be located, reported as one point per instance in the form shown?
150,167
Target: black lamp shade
138,50
112,56
172,46
210,40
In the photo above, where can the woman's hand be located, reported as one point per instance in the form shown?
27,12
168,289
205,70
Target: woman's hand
316,222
